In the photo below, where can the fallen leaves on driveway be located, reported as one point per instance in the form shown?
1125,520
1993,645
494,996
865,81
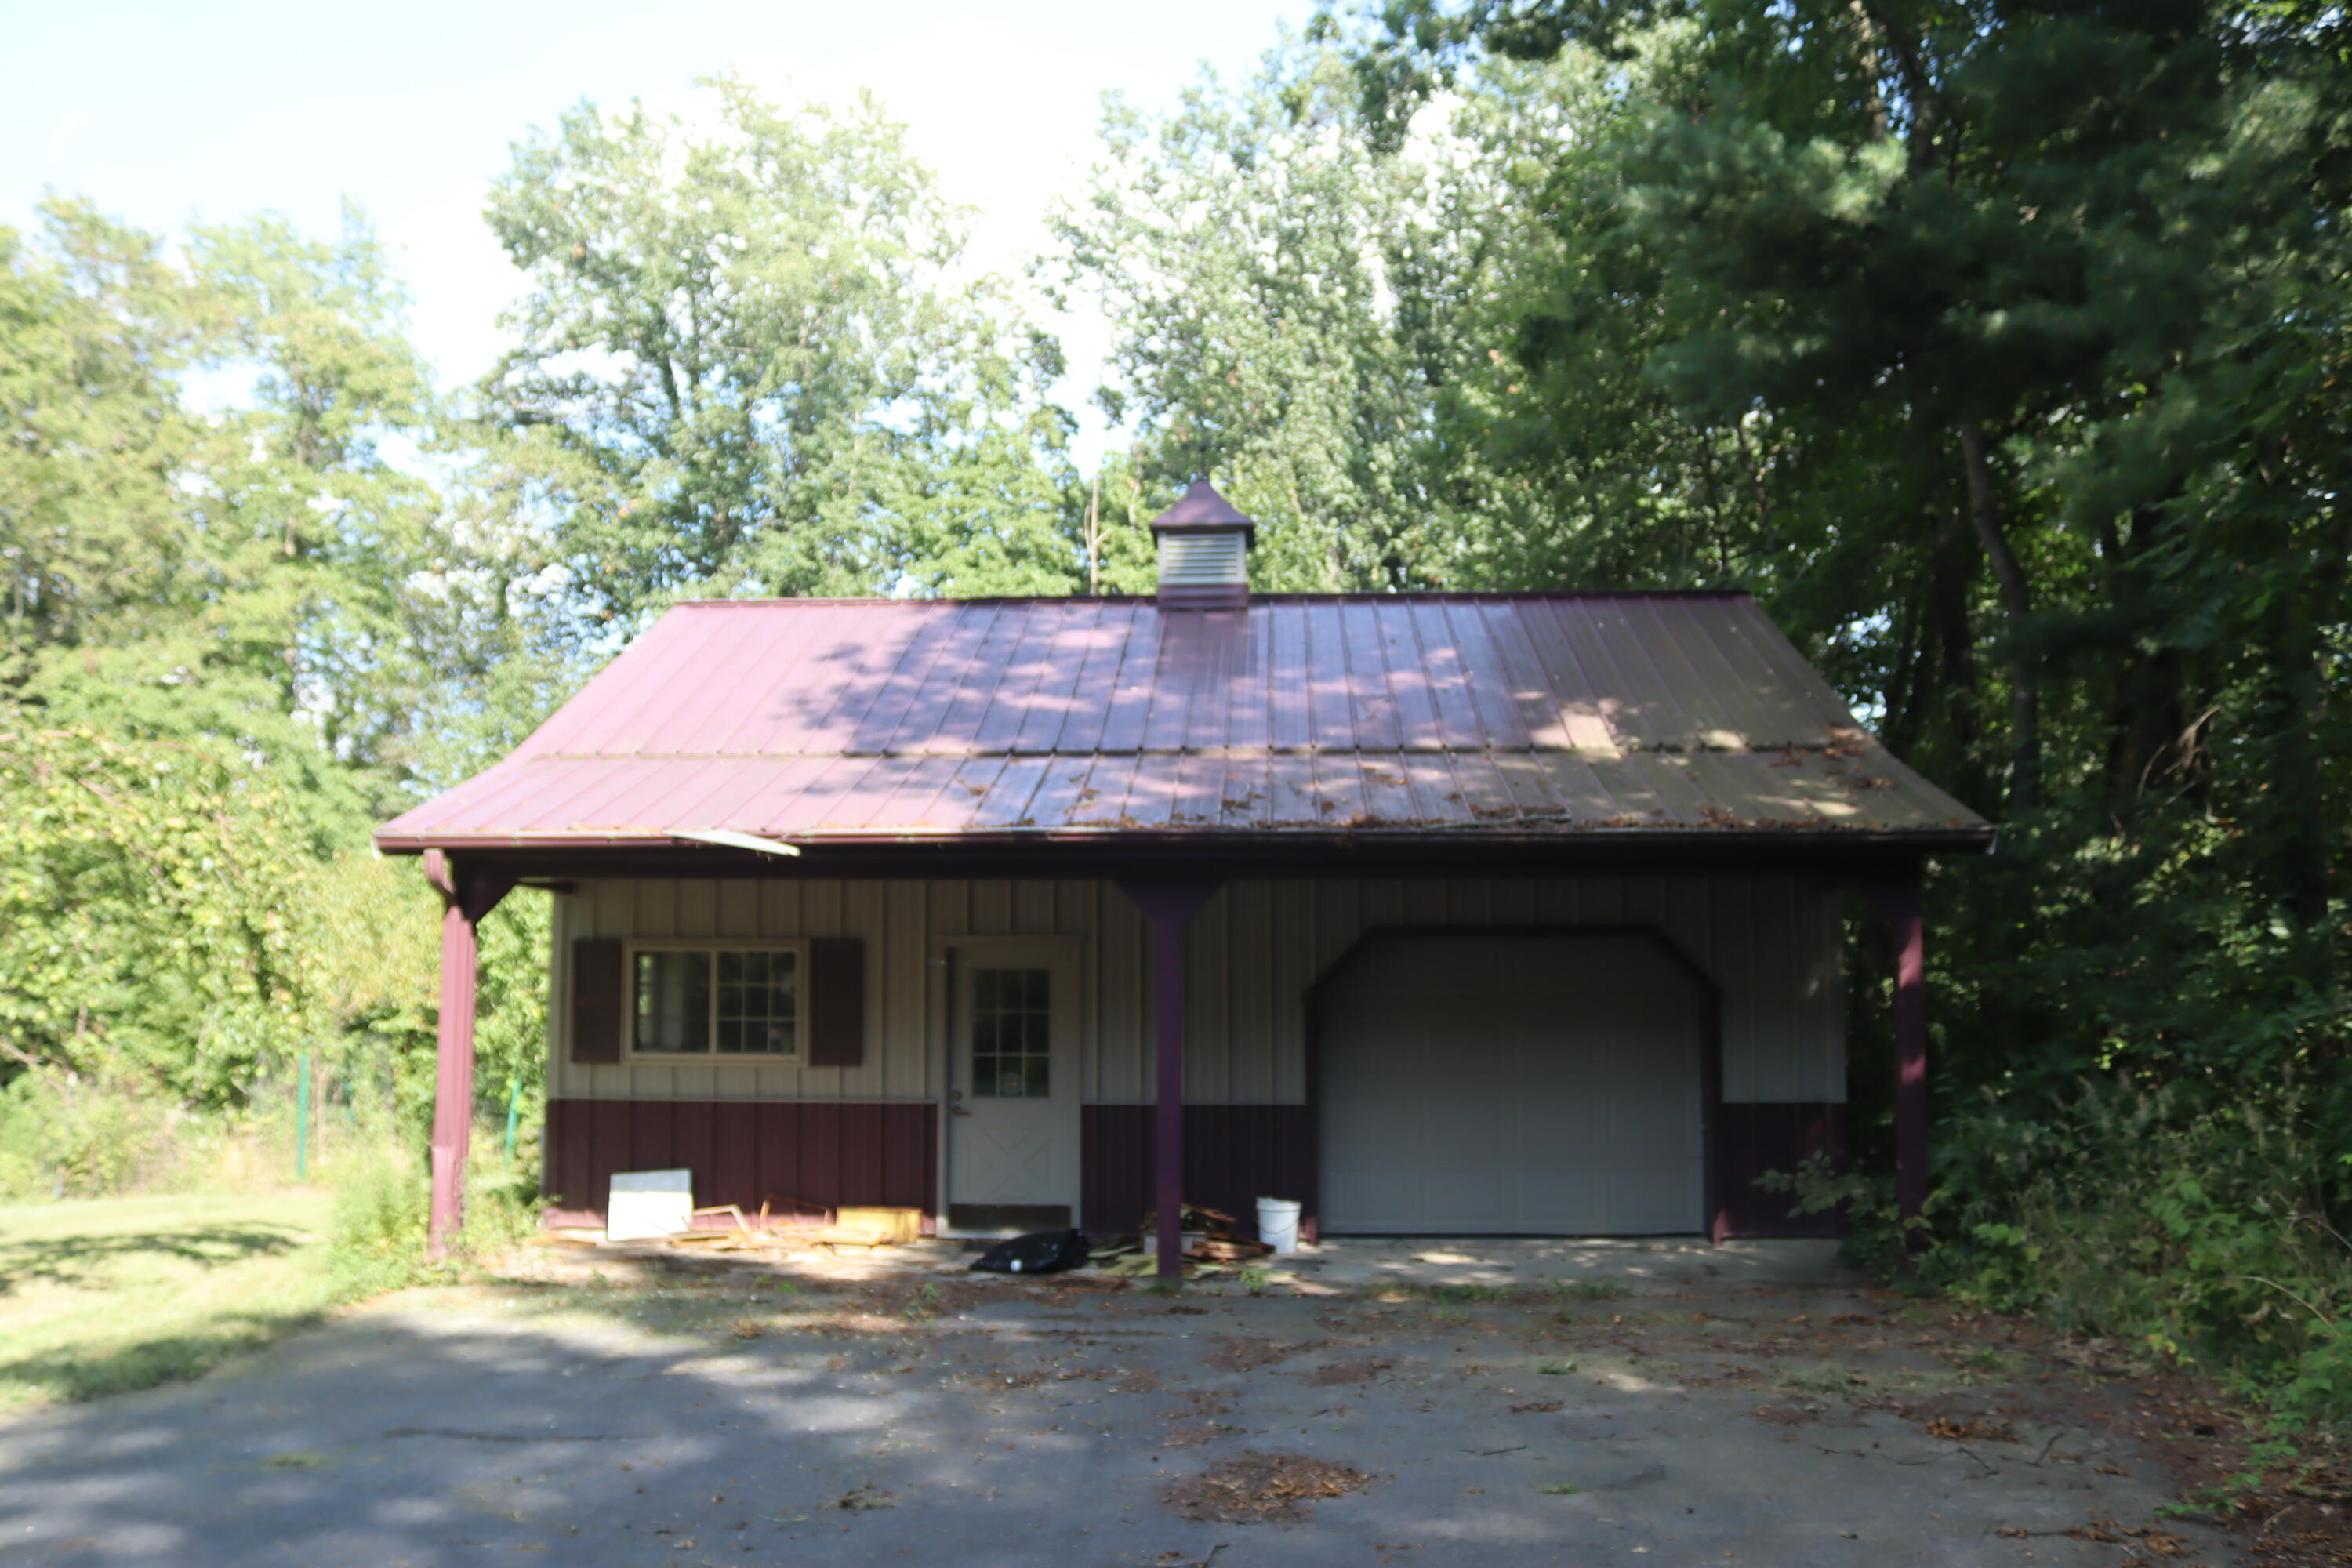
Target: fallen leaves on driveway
1789,1414
1242,1353
2109,1533
1193,1436
1974,1429
1257,1487
1346,1372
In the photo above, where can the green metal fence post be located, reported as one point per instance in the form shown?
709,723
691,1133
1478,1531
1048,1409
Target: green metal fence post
303,1121
514,1109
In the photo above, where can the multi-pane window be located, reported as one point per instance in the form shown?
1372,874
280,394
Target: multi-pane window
1011,1043
722,1001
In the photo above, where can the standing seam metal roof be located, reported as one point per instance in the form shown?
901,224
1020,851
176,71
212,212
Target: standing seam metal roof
1531,714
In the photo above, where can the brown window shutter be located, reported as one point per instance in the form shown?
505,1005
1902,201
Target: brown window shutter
596,999
836,1001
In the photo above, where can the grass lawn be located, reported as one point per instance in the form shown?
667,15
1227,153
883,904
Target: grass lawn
119,1293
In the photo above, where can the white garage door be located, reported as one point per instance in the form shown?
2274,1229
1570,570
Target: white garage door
1512,1086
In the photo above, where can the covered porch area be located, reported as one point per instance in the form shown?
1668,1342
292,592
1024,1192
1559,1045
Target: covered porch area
1181,934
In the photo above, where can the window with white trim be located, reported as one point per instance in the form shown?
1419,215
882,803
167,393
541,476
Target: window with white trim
716,999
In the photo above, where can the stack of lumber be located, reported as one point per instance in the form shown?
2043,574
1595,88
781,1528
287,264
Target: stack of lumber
868,1228
865,1228
740,1239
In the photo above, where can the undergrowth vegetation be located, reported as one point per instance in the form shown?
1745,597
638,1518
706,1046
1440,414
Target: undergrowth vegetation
383,1208
2188,1230
108,1134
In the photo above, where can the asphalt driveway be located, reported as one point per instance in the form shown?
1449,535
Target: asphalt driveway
727,1418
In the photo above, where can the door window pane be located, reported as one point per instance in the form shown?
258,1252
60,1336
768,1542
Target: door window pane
673,1002
1011,1013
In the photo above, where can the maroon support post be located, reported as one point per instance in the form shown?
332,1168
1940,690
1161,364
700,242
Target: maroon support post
1168,1108
1167,905
467,897
1899,902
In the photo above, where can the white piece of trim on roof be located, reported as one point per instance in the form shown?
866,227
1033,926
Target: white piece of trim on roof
731,840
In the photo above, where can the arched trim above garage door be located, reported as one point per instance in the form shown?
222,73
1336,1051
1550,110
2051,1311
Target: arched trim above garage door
1709,993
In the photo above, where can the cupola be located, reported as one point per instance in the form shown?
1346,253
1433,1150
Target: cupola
1203,552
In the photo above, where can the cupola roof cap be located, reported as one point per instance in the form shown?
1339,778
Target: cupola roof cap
1201,510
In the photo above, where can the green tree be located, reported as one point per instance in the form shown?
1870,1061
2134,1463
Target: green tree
995,509
151,909
2009,339
1292,310
242,567
261,584
90,337
731,325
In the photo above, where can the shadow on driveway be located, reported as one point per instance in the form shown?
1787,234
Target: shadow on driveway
725,1421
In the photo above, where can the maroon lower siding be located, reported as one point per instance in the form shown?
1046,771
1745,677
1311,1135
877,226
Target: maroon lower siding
813,1155
1750,1140
1233,1155
796,1157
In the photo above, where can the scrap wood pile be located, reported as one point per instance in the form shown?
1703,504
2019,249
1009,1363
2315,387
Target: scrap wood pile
1209,1245
865,1228
861,1227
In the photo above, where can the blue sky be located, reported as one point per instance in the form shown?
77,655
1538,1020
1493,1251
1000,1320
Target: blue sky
201,109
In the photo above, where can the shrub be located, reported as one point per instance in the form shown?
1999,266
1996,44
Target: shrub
502,1198
2193,1231
383,1218
68,1135
382,1208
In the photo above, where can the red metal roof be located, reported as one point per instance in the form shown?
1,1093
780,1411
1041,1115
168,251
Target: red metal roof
1383,717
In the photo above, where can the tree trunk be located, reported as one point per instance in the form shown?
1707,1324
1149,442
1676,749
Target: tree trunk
1951,636
2297,767
2017,602
1922,102
1907,706
2148,739
2147,722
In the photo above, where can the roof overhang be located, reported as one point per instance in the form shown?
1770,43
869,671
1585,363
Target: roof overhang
1035,853
1052,737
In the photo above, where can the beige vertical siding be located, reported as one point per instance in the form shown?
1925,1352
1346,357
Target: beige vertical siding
1770,943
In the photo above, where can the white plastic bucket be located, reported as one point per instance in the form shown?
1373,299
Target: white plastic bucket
1278,1224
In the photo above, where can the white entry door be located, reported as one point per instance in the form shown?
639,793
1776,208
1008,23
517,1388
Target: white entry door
1013,1095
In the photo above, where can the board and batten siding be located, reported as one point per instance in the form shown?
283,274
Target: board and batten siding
1771,944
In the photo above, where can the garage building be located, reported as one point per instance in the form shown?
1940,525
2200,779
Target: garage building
1442,913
